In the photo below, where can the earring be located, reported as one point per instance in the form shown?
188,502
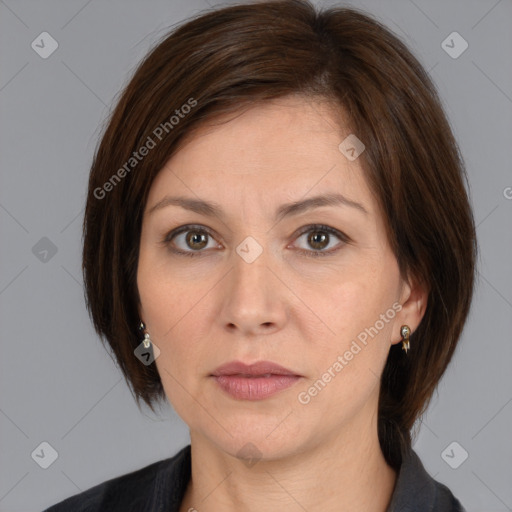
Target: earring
405,331
147,339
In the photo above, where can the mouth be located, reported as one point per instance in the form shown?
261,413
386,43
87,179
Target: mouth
254,382
258,369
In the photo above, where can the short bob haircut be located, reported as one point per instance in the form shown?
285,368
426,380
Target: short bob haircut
236,57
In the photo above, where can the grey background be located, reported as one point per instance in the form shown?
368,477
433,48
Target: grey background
59,385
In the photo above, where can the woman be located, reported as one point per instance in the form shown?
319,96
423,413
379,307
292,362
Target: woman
278,240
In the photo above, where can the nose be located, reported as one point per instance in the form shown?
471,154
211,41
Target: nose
253,298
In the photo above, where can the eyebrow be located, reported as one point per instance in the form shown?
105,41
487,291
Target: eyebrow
211,209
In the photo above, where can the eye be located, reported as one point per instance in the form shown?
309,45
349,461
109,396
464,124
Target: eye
319,237
194,239
190,237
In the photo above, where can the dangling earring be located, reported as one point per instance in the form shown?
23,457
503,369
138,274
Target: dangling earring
147,339
405,331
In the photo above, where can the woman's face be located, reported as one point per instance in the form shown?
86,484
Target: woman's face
247,286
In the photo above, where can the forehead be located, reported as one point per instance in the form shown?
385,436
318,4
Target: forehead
275,151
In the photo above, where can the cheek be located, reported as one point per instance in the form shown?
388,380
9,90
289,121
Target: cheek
171,307
358,317
350,304
159,288
346,366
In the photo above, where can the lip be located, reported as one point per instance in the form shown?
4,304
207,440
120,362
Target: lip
255,381
257,369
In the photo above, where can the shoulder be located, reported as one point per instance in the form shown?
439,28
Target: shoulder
417,491
111,494
445,500
131,491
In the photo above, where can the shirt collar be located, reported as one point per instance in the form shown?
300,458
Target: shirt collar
415,489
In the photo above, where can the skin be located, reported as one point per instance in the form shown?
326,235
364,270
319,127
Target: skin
298,311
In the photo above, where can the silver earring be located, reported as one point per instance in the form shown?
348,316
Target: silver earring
147,340
405,331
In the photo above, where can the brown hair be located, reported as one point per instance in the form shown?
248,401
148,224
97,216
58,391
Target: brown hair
235,57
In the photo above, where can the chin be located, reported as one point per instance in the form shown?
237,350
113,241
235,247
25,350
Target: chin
252,440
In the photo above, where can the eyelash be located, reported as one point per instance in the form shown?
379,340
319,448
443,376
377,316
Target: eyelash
310,254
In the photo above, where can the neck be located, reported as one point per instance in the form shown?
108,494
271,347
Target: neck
344,473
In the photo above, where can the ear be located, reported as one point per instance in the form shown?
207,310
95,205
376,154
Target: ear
413,300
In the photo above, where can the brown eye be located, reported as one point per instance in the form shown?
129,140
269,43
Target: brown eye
189,240
318,239
196,239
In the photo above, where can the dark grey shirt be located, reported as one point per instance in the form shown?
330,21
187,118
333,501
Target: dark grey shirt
160,487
